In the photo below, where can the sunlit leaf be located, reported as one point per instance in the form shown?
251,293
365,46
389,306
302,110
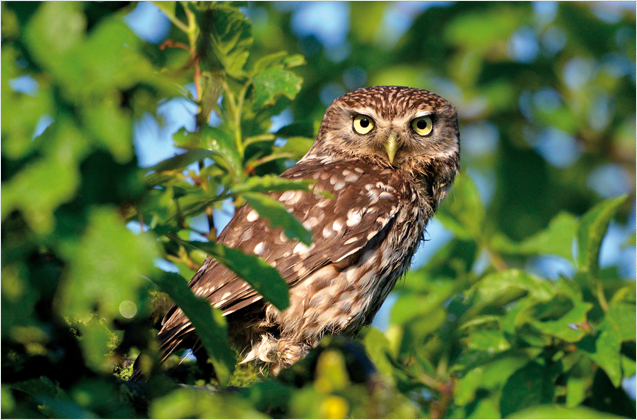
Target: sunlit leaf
378,349
499,289
580,380
269,183
484,27
556,411
182,160
462,211
278,216
591,231
210,325
231,38
272,83
569,327
557,239
265,279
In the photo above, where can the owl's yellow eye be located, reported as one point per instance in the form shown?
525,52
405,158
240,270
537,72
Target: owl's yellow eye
422,125
363,124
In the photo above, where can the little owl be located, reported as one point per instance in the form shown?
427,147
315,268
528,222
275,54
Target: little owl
387,155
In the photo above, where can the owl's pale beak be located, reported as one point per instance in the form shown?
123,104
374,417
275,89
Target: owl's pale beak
391,147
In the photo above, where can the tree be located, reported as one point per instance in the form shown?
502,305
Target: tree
481,330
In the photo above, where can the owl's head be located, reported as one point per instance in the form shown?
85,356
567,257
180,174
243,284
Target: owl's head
391,125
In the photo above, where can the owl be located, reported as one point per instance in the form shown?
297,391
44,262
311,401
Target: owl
387,155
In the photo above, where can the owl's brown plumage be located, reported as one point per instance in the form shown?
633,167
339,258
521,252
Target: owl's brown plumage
388,155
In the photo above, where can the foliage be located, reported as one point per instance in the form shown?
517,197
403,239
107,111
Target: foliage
476,332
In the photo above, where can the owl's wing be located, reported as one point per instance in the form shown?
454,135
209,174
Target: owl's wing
365,203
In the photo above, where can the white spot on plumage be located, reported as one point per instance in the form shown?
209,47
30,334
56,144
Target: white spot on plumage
246,235
300,270
259,248
373,197
350,240
292,198
328,232
310,223
337,225
354,217
352,177
302,249
287,195
252,216
386,195
359,170
339,185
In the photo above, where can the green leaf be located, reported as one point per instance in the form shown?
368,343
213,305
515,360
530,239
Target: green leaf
591,232
105,267
217,141
272,83
297,129
270,183
271,60
462,211
490,376
419,305
529,386
294,60
579,382
263,278
20,112
278,216
618,326
484,27
231,38
167,7
45,192
209,323
378,349
111,128
181,161
556,411
621,316
498,289
53,32
569,327
200,403
222,142
295,147
489,340
604,350
557,239
331,372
